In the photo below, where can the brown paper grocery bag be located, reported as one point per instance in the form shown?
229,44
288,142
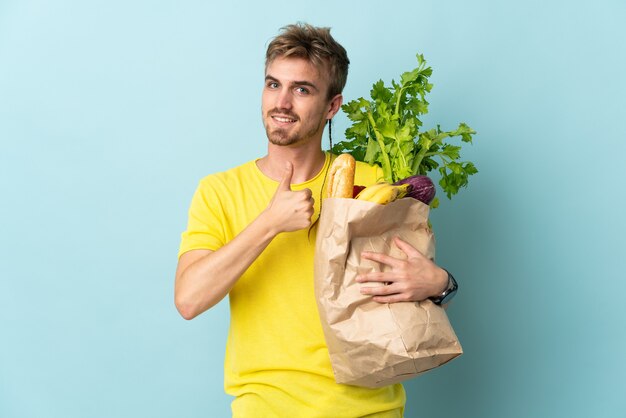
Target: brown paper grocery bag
373,344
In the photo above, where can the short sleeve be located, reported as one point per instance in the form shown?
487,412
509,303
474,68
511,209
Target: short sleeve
205,225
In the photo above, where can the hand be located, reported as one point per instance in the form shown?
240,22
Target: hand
414,279
290,210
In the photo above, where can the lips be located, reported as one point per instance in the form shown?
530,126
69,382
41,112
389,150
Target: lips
283,118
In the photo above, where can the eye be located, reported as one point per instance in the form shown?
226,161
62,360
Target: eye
302,90
272,85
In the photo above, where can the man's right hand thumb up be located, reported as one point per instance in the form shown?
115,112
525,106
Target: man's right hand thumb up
285,182
290,210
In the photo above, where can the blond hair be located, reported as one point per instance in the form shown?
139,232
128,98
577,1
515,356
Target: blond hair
317,46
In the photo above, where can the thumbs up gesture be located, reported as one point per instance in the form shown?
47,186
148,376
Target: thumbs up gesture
290,210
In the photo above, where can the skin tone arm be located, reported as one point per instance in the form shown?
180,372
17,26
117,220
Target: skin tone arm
198,288
414,279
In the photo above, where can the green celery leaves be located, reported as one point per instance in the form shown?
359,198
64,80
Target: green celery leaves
386,131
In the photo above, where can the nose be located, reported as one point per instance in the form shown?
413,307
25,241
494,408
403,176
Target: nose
283,99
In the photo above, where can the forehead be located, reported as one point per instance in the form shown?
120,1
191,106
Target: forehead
295,69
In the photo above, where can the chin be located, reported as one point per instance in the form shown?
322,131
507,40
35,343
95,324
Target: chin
281,138
283,142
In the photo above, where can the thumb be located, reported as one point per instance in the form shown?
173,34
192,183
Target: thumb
285,182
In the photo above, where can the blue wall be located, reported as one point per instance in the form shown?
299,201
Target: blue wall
111,111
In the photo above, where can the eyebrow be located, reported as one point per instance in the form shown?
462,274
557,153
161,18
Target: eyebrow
294,83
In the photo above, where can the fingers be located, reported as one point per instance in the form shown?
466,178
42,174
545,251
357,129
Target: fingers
306,197
407,248
404,280
382,258
392,283
404,246
377,276
285,182
391,298
386,294
380,290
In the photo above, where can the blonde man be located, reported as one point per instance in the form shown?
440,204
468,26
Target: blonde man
248,237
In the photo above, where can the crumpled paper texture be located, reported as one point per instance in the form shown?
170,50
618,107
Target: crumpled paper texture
373,344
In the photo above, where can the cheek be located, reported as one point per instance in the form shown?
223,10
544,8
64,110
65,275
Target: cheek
321,113
265,104
263,98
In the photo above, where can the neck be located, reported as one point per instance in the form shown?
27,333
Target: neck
307,162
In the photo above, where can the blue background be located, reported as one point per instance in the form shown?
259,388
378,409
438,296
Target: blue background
111,111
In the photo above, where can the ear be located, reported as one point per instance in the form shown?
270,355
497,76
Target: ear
334,106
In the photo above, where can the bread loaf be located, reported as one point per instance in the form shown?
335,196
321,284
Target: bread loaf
341,177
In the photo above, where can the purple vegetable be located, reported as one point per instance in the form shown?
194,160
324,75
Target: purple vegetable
422,188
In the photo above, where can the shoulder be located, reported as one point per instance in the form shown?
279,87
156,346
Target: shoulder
228,177
367,168
237,186
366,174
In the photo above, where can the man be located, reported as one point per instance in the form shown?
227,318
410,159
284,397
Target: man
248,237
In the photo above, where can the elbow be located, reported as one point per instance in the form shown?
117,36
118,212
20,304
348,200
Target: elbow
186,313
185,309
189,303
189,308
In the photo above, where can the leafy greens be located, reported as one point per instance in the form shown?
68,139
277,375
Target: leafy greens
386,131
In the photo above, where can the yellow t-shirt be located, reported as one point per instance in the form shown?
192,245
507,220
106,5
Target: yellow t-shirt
277,362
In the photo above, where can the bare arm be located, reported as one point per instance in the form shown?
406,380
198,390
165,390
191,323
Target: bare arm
204,277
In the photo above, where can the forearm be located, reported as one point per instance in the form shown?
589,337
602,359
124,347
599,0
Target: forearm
203,279
207,280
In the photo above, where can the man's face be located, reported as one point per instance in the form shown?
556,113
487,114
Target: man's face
295,103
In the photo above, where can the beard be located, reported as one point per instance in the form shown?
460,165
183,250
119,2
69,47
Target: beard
278,136
287,136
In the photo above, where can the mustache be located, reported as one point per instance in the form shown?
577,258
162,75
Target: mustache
283,112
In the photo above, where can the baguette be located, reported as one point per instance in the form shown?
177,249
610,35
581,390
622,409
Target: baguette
341,177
